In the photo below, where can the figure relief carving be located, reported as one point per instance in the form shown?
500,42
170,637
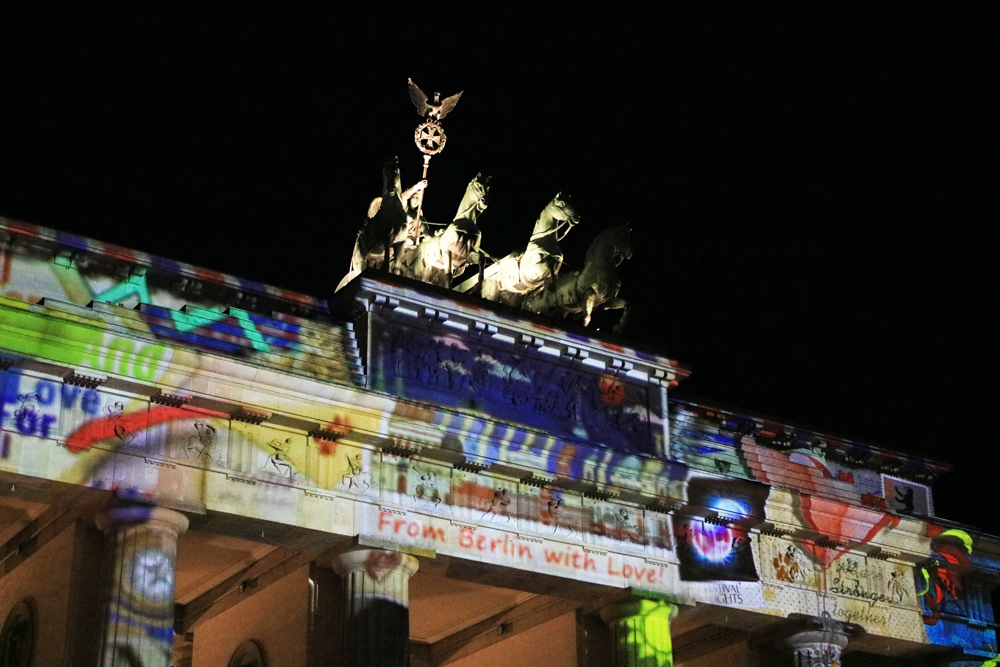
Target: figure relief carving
519,381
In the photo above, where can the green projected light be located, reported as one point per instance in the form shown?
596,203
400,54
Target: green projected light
641,632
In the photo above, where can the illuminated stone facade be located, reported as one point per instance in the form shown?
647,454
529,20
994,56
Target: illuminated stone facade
411,474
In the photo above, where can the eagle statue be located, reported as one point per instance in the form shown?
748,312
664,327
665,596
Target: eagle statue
435,110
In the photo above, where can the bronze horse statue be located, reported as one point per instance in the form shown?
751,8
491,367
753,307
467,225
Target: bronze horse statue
438,259
389,224
519,274
595,286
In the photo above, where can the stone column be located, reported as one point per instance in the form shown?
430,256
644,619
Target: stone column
376,620
142,547
820,643
640,632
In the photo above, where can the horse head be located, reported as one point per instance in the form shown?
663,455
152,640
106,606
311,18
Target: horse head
476,198
558,215
391,183
612,245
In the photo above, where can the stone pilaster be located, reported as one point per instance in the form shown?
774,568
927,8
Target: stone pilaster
142,547
640,632
376,620
821,641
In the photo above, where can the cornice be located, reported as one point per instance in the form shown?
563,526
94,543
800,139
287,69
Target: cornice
405,300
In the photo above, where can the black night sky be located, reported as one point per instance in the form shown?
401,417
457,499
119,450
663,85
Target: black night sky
812,195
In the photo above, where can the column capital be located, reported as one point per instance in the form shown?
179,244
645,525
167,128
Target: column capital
376,626
128,515
820,639
376,563
638,607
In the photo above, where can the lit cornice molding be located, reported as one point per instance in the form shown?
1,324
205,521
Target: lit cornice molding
408,301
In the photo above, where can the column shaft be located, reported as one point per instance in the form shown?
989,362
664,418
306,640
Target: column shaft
376,625
139,623
640,631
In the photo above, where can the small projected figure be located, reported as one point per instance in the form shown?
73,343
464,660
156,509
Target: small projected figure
279,459
626,527
553,513
26,406
354,478
115,412
897,589
27,417
201,445
427,489
498,505
904,496
786,566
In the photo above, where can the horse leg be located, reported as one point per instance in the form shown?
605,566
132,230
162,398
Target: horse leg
618,304
357,265
588,308
386,246
397,258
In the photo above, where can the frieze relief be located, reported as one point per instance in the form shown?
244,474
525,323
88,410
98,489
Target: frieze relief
513,386
785,563
551,512
615,524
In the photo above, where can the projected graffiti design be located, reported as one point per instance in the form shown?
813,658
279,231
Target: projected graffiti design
441,448
714,546
141,602
514,387
158,304
939,583
949,596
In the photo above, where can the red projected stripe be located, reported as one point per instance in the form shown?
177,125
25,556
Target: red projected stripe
100,429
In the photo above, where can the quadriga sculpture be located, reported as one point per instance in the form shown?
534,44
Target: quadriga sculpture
441,257
519,274
389,223
596,286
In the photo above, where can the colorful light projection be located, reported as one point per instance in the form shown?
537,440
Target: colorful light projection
123,441
159,304
711,546
640,632
521,388
140,614
949,600
714,440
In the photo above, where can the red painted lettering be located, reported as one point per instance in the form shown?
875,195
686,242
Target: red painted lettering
481,542
384,520
434,533
553,557
413,529
465,538
398,524
523,551
611,570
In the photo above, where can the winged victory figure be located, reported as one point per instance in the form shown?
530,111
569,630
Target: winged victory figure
435,110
